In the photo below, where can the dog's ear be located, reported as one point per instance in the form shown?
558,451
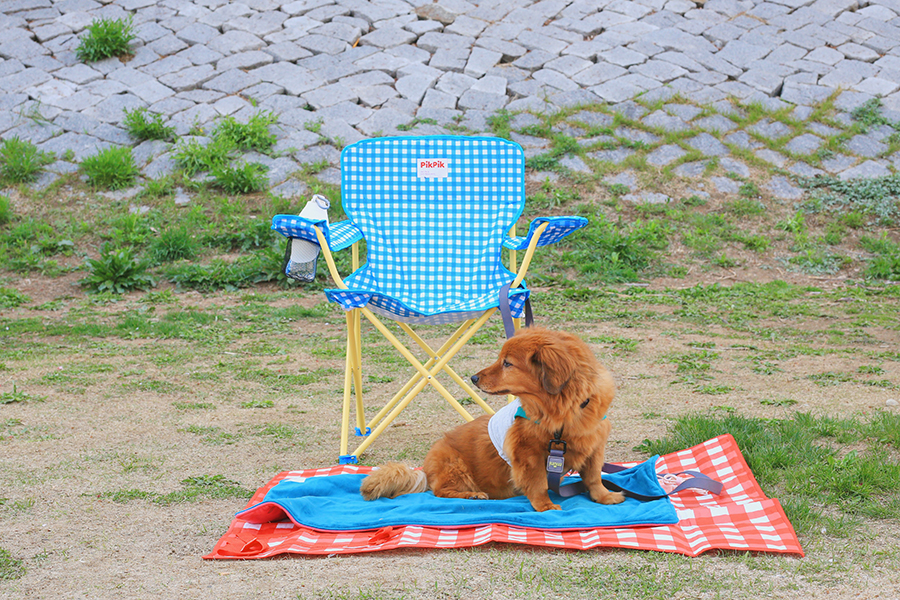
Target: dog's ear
554,366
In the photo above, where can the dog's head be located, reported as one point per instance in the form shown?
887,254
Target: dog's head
540,365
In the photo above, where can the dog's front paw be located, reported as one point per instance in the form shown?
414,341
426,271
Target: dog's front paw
545,505
608,497
478,496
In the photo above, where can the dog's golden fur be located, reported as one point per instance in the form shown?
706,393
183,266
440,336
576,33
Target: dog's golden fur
553,374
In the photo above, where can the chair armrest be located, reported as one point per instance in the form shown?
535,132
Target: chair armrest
339,235
557,229
343,235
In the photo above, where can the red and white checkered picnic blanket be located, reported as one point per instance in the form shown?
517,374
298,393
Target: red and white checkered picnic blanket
741,518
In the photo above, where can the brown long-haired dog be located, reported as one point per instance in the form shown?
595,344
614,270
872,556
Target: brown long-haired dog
562,388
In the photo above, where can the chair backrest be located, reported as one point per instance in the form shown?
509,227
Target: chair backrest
433,210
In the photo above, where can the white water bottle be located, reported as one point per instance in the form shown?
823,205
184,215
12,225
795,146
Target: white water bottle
303,254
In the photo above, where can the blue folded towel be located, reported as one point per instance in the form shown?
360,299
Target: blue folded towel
335,504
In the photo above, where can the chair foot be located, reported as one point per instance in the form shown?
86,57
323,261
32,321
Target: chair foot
359,432
348,459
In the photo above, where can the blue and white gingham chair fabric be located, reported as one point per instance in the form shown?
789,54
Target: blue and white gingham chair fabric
432,243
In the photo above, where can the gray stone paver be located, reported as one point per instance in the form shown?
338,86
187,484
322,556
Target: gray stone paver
362,68
665,155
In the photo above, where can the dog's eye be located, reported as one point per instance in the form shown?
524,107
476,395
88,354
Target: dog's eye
506,364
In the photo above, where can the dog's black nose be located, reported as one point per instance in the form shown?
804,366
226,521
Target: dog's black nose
475,379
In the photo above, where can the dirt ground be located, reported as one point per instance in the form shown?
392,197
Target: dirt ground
97,432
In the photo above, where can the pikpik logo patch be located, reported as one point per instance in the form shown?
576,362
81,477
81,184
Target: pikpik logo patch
438,168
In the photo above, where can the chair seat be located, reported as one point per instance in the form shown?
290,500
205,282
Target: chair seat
425,309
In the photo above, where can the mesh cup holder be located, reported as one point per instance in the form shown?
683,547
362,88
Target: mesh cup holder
301,256
300,259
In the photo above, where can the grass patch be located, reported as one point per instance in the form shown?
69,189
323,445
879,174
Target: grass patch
193,489
868,115
10,566
244,179
617,251
194,405
885,262
144,125
17,396
192,156
116,271
878,197
110,169
219,274
6,210
212,436
252,135
172,244
20,161
258,404
10,298
806,461
106,38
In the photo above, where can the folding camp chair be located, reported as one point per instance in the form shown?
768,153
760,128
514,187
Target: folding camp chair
435,213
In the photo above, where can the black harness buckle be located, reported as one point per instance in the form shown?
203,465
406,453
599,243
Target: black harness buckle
552,442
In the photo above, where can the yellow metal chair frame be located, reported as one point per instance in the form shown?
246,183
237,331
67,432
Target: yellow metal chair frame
426,373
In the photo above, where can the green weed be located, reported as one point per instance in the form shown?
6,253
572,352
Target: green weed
868,114
876,196
116,271
106,38
20,161
212,436
10,298
240,233
194,406
157,188
130,229
10,566
499,123
193,157
258,404
173,244
6,210
778,402
17,396
220,274
111,169
147,126
749,190
193,489
885,264
247,178
252,135
412,125
610,251
25,250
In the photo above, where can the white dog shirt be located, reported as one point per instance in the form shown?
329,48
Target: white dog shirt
500,423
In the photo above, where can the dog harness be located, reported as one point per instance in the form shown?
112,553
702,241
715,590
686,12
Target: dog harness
503,419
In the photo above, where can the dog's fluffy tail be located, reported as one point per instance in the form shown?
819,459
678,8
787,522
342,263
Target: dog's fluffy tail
392,480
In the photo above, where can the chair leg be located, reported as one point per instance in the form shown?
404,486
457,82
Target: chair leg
460,381
357,373
349,369
427,375
415,378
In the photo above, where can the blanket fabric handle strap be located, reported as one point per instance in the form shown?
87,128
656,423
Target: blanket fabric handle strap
697,481
506,312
